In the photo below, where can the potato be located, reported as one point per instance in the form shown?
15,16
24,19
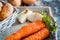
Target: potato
29,1
1,5
16,3
7,10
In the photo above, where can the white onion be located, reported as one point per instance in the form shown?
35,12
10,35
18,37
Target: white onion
23,16
29,15
34,17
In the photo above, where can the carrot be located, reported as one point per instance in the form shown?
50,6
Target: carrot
40,35
27,30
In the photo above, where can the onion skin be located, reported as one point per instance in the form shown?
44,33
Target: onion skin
29,1
1,5
16,3
7,10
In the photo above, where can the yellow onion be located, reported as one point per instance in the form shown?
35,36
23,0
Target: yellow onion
29,1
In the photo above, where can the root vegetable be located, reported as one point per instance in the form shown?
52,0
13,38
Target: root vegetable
27,30
16,3
6,11
40,35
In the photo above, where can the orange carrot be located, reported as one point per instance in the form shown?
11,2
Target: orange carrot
40,35
27,30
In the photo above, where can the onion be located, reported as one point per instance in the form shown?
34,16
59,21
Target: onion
34,17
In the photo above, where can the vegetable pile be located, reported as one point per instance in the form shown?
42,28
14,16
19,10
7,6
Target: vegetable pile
39,29
34,16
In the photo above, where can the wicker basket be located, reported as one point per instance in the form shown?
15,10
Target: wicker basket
8,21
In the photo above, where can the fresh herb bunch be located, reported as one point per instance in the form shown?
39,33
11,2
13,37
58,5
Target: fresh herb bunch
50,24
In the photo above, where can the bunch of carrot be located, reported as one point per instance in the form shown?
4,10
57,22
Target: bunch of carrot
32,31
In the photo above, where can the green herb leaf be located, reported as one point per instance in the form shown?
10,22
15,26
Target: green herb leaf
48,21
